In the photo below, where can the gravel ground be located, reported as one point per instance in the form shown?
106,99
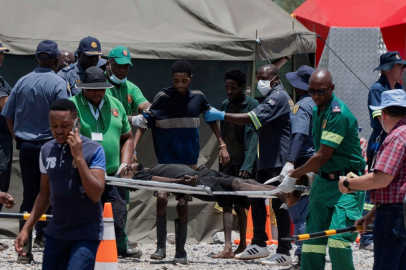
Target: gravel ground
198,254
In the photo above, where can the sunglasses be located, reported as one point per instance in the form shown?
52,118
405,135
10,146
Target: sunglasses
320,92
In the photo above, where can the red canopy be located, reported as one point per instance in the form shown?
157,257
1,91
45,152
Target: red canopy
388,15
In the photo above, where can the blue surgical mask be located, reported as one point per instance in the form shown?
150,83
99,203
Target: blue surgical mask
116,80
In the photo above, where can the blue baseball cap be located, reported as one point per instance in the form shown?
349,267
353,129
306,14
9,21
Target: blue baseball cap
48,47
388,60
300,78
390,98
90,46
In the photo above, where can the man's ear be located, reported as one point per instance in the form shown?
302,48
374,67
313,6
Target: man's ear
191,78
332,87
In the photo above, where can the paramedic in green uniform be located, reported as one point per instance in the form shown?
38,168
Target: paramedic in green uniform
335,137
130,95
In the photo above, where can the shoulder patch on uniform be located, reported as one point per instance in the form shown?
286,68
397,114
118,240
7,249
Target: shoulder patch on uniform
335,106
324,123
295,109
68,67
271,101
129,98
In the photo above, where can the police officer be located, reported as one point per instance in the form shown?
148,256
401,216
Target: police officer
26,113
301,146
89,52
6,140
131,97
271,119
335,137
65,59
392,67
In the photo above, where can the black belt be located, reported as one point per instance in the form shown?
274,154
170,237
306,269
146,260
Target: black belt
335,176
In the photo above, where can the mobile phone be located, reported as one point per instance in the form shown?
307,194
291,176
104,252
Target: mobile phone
75,125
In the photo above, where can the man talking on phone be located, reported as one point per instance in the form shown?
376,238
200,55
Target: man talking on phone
72,181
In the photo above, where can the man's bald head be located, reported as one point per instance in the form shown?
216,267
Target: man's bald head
270,69
321,75
65,59
321,87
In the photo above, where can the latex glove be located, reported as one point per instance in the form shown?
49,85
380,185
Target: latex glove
213,115
276,178
288,184
285,170
140,121
120,171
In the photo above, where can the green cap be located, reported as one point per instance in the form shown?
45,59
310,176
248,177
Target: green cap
121,55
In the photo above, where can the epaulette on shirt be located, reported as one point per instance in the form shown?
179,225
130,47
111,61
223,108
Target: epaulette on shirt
66,69
335,106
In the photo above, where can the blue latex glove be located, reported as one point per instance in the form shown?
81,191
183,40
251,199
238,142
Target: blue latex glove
213,115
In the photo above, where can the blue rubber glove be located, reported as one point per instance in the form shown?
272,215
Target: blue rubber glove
213,115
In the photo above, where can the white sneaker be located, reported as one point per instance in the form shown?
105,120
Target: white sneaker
278,260
252,252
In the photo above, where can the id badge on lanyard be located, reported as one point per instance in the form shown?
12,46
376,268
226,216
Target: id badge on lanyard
96,136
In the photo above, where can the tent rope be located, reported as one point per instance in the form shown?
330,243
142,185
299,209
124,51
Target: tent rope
301,41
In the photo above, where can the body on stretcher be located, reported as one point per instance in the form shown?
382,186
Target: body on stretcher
199,189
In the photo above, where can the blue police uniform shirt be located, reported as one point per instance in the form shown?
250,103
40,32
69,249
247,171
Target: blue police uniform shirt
73,74
75,216
374,99
272,120
29,102
5,90
301,122
175,125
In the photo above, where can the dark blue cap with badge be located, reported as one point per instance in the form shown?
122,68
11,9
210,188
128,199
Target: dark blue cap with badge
47,49
3,49
388,60
300,78
90,46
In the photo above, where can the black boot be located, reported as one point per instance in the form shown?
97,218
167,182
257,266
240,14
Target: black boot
180,240
160,252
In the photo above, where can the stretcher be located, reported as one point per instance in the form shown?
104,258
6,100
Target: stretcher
180,188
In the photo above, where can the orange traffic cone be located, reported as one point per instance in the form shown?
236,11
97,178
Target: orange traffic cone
250,227
107,257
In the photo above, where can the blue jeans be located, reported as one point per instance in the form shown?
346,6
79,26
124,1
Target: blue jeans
389,238
69,254
366,238
298,214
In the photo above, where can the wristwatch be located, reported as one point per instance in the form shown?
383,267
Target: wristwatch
346,183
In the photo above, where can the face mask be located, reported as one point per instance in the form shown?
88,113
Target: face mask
264,86
116,80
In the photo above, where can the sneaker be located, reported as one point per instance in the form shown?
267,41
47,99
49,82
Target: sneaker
133,253
39,241
278,260
369,247
253,252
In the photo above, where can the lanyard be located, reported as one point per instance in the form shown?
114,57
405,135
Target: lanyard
96,113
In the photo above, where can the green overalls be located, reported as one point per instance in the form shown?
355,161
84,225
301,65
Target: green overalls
336,127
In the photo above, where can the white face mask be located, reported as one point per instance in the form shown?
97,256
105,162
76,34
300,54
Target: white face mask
114,79
265,86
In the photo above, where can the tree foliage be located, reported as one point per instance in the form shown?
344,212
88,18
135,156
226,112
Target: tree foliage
289,5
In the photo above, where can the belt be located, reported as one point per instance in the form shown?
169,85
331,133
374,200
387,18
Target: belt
335,176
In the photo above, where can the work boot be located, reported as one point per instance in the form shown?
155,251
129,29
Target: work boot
180,241
160,252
